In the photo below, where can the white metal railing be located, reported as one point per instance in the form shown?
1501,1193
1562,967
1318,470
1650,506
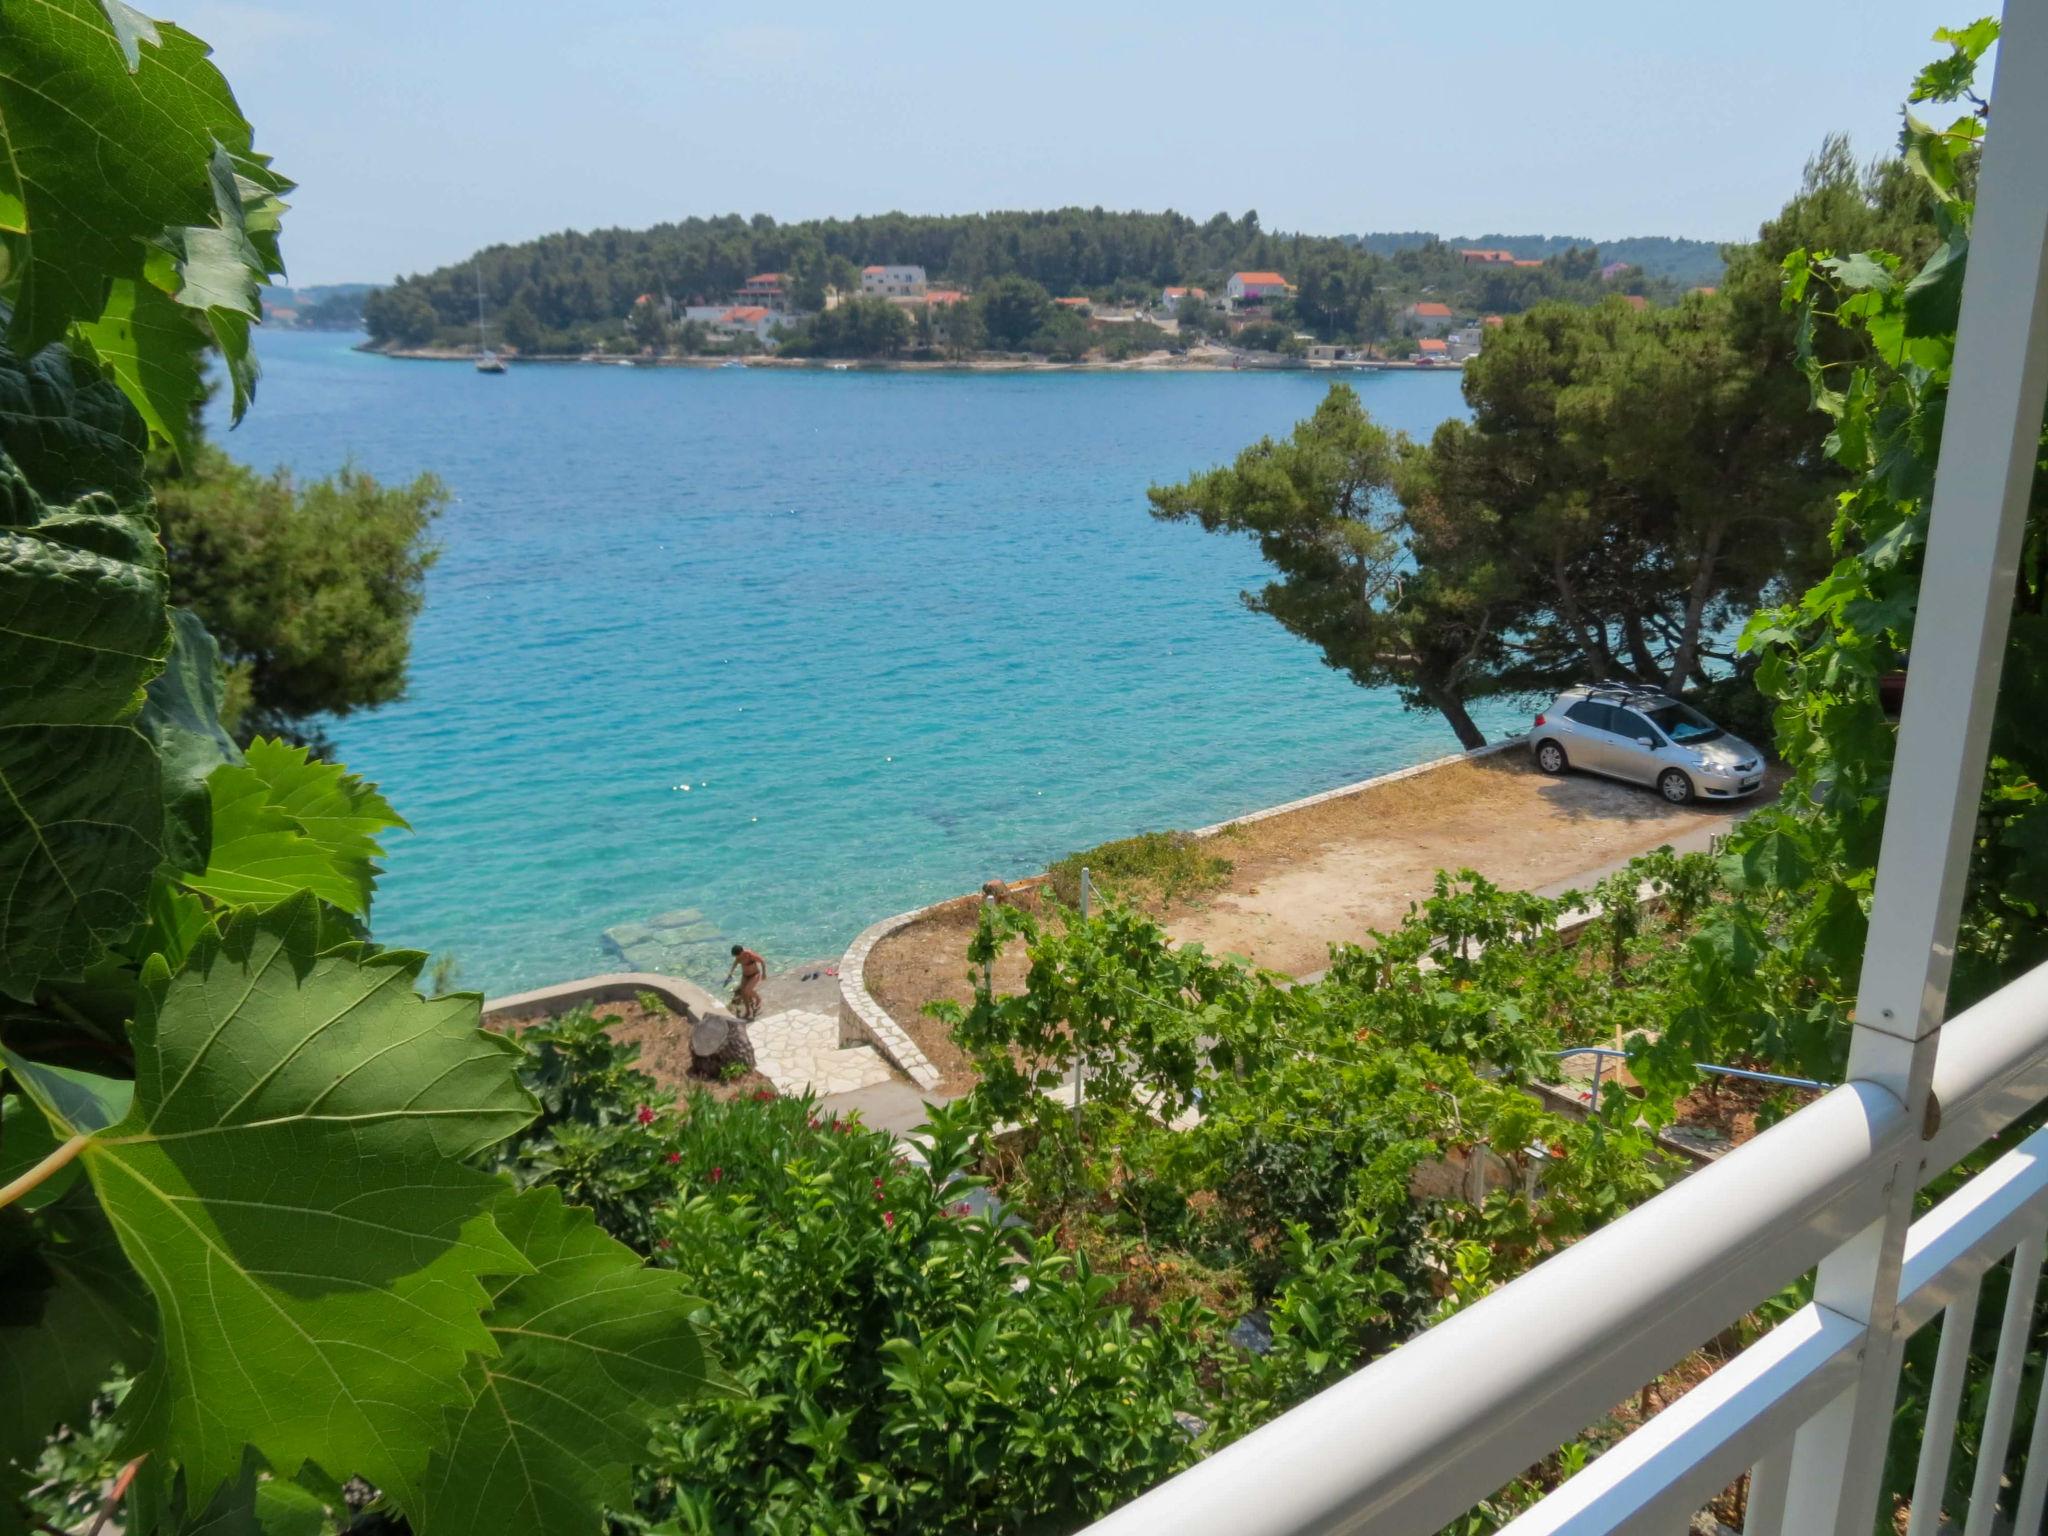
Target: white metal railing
1440,1424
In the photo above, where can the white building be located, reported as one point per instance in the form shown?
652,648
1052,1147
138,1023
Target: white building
1171,299
1254,288
891,282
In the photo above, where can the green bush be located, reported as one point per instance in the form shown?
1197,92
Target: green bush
913,1366
1162,865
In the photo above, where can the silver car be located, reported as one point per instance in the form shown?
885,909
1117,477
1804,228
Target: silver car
1627,732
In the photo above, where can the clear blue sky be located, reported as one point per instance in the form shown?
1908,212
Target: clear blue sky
422,129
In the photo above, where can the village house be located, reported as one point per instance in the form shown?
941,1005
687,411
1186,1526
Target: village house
1432,349
1429,317
1488,258
1170,298
1612,270
884,282
770,290
755,320
1250,290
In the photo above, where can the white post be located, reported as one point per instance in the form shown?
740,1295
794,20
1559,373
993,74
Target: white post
1077,1053
1988,446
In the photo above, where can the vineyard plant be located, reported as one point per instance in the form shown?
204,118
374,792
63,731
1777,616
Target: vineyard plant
249,1246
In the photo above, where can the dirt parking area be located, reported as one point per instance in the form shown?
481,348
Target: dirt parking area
1331,873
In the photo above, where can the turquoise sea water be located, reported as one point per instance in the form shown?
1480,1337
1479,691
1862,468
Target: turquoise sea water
897,633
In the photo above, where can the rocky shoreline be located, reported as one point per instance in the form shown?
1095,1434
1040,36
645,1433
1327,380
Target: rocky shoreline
1214,360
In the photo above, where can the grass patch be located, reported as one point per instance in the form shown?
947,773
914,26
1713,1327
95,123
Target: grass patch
1153,868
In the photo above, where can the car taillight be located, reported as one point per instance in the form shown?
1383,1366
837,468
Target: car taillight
1539,719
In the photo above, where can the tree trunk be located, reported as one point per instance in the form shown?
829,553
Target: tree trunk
1452,708
717,1041
1695,610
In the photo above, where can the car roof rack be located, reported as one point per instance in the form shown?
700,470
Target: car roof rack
1616,688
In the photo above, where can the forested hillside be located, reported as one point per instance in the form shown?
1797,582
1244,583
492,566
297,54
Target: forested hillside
570,290
1688,263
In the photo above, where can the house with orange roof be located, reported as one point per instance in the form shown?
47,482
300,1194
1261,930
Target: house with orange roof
1492,320
1170,299
1487,258
1432,349
1250,290
770,290
1530,262
1078,302
755,320
1429,317
892,282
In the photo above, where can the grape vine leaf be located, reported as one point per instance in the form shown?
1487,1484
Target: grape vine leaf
284,821
126,160
69,428
592,1345
81,802
291,1186
146,340
71,1312
181,717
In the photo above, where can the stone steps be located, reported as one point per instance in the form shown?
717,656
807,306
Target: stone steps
798,1050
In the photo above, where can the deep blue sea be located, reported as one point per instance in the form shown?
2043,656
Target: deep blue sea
802,649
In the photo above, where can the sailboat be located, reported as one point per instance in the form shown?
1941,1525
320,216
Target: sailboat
487,361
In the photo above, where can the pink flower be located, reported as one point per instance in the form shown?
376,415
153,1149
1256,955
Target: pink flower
764,1095
888,1218
961,1209
717,1174
675,1157
646,1115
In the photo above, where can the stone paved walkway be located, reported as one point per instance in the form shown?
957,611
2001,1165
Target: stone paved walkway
798,1050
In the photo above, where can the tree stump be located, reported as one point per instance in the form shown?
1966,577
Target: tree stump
716,1041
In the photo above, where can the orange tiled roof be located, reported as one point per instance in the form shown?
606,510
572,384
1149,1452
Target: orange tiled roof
1430,309
1263,279
1431,344
1492,320
1529,263
741,313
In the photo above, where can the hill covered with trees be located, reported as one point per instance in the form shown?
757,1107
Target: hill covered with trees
572,291
1688,263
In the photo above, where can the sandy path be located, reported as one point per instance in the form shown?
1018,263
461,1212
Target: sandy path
1330,873
1326,875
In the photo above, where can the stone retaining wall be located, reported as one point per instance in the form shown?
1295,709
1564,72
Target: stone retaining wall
685,997
863,1020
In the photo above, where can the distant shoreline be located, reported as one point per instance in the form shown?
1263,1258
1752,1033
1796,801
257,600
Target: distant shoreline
1156,362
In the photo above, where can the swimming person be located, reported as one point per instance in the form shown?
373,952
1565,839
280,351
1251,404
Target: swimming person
747,1001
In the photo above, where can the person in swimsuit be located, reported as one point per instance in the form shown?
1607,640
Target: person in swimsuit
747,1001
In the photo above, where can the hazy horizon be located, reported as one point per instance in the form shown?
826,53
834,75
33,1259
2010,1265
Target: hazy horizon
419,135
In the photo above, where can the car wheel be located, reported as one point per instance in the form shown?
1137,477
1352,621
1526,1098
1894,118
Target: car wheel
1675,786
1550,757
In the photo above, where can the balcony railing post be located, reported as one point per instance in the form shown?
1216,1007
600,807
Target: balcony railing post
1988,448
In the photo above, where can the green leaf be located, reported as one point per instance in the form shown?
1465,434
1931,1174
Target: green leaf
122,139
181,717
69,428
290,1185
592,1346
71,1312
283,821
147,341
1934,298
1865,271
81,806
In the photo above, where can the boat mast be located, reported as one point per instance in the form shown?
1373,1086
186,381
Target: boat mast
478,268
